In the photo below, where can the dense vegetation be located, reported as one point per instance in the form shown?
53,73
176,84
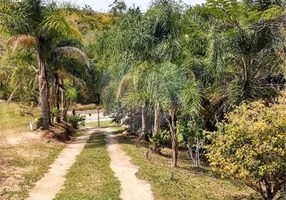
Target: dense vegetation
174,69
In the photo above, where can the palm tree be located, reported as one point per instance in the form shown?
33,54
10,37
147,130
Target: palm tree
68,62
241,51
147,50
176,94
39,26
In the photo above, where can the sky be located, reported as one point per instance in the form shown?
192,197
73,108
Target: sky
102,5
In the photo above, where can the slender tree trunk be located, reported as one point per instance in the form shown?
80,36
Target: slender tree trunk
52,100
64,103
144,120
174,148
43,87
156,120
156,127
49,102
174,139
56,97
65,110
98,120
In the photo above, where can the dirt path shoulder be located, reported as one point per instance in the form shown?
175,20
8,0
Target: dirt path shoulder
132,188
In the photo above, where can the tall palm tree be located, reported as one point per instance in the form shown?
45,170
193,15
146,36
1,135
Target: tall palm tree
40,26
68,62
241,50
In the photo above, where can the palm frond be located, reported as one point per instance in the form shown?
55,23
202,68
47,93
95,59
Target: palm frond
190,99
73,52
65,75
55,22
107,94
22,41
135,99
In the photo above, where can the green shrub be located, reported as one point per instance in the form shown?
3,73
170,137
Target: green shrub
75,121
56,112
38,121
156,142
250,145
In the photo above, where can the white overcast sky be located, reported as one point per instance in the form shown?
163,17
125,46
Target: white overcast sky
102,5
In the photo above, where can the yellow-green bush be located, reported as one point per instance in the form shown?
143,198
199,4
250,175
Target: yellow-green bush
250,145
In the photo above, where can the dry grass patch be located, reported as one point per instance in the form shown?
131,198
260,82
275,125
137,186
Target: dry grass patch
24,155
24,164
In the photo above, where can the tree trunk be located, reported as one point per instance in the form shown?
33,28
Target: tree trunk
174,148
56,97
156,127
64,103
174,139
156,120
144,120
65,110
98,120
43,87
52,100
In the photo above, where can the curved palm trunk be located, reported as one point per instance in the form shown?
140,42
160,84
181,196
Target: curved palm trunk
43,87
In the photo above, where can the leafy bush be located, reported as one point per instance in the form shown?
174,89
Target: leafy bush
156,142
38,121
56,112
250,145
75,121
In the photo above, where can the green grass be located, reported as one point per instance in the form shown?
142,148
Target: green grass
91,177
80,132
189,183
103,124
23,165
106,124
91,106
11,122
